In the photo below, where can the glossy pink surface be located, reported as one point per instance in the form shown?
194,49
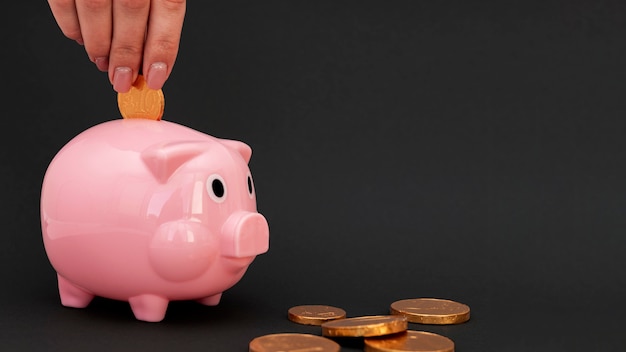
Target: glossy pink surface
149,212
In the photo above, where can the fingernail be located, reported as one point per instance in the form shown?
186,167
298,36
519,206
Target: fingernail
80,41
122,79
102,63
157,73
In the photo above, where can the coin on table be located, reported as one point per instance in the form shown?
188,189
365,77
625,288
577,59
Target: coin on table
141,102
314,314
372,325
414,341
293,342
431,311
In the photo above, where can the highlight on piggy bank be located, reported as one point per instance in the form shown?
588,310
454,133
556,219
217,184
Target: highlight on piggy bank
150,212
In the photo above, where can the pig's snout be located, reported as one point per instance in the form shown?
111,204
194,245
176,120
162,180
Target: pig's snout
246,234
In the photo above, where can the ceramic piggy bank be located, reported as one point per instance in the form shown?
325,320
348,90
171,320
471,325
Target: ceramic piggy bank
150,212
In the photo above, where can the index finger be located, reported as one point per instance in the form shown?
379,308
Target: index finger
162,40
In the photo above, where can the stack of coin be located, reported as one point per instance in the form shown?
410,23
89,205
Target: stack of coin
380,333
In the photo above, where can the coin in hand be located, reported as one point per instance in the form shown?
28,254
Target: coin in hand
141,102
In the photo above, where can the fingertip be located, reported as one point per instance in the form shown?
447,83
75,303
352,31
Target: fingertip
102,63
122,79
157,74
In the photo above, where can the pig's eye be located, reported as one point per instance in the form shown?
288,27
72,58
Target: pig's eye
250,187
216,187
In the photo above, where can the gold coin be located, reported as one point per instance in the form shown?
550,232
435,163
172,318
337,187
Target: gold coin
141,102
373,325
314,314
293,342
431,311
414,341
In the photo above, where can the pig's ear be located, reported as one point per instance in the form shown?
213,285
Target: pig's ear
241,148
164,159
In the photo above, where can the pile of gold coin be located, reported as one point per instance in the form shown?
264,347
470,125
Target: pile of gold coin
141,102
380,333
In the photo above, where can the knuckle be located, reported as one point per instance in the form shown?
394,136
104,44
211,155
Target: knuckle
72,33
95,4
174,2
126,51
173,5
95,51
62,4
165,46
134,4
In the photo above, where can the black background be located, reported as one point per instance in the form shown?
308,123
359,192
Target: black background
468,150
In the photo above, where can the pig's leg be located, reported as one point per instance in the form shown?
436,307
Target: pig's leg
148,307
211,300
72,295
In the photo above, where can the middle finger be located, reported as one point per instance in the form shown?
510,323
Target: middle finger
130,21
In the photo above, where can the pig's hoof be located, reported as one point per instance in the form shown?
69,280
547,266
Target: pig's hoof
211,300
72,295
149,308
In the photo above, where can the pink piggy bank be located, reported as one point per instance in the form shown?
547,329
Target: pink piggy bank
150,212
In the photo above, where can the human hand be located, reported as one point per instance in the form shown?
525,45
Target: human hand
123,36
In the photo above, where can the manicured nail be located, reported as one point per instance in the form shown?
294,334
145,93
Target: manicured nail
122,79
102,63
157,73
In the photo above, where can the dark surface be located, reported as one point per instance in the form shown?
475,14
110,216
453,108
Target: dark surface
466,150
